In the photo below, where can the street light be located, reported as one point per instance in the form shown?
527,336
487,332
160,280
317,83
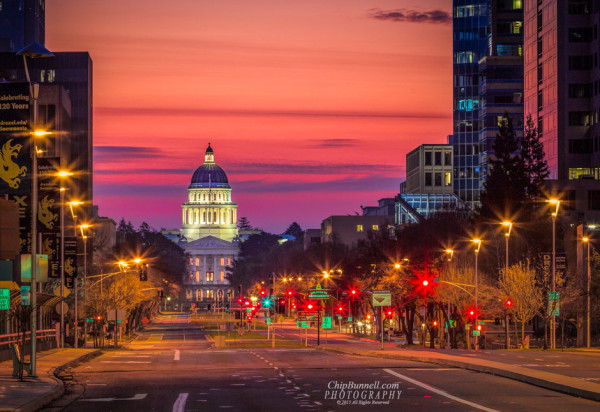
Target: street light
83,227
589,280
478,243
451,253
509,225
556,202
33,50
62,174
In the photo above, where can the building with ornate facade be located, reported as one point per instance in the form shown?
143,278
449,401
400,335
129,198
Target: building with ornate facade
209,236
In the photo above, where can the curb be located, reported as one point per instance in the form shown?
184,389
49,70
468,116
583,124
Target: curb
59,387
532,380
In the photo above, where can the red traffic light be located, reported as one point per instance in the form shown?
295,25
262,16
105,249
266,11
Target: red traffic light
472,313
290,293
435,323
340,308
263,292
425,283
310,306
508,302
353,291
478,327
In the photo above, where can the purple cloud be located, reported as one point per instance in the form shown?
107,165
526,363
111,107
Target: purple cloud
412,16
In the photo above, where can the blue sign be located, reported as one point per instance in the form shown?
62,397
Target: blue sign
25,295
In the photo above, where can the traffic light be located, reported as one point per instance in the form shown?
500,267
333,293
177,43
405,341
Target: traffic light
389,313
239,291
290,293
508,303
434,323
263,292
227,307
424,284
143,272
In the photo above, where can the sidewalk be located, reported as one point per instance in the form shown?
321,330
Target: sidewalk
34,393
548,380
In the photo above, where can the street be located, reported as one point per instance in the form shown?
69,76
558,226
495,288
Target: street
171,367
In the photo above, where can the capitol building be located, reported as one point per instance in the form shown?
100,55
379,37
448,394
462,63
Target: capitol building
209,236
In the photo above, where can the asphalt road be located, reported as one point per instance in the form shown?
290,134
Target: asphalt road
172,368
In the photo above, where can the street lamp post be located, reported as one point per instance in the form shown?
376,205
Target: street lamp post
589,280
478,243
451,253
84,237
33,50
74,217
552,320
62,174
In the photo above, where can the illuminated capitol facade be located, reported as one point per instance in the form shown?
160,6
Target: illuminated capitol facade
209,227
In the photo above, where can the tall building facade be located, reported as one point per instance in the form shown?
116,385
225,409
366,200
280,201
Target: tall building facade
471,20
488,83
562,82
21,22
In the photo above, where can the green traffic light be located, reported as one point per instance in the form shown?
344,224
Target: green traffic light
266,302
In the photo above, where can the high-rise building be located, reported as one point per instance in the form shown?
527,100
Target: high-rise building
21,22
562,82
488,73
471,20
562,94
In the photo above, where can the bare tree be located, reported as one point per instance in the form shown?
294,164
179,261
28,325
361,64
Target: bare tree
519,284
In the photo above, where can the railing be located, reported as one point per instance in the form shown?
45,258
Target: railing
40,335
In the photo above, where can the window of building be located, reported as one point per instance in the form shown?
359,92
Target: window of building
210,276
517,27
199,294
197,276
539,26
594,199
464,57
375,227
359,228
427,158
540,73
210,294
191,261
579,90
448,179
197,261
438,158
222,276
428,179
579,118
580,34
438,179
581,146
448,158
584,62
540,99
580,7
540,47
222,261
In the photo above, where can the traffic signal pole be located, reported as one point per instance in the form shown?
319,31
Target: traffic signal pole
381,316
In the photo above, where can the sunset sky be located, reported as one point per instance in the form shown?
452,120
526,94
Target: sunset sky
310,106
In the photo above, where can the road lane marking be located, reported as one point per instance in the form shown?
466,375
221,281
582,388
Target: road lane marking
439,392
131,361
96,384
179,405
137,397
176,357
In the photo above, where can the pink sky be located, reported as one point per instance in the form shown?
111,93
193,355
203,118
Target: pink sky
310,106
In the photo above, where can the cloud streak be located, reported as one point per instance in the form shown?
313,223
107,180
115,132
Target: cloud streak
169,111
270,169
372,183
115,153
411,16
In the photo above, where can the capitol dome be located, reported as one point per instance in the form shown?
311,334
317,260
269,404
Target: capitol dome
209,174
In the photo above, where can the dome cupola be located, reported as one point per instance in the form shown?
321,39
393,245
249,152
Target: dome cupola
209,174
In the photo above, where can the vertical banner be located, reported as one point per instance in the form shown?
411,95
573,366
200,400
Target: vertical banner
15,159
70,261
51,247
48,215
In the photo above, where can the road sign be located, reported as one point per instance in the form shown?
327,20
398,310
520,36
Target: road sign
476,333
480,322
306,316
319,293
304,325
326,322
553,296
4,299
268,321
25,295
382,298
66,291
